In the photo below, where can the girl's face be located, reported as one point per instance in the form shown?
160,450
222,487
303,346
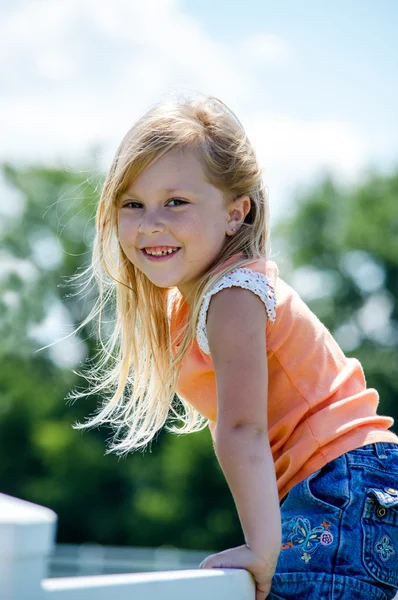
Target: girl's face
169,206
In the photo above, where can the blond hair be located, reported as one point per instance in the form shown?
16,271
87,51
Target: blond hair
135,371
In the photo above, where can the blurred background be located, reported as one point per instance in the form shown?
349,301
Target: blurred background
316,87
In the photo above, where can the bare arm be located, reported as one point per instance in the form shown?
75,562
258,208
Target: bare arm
236,333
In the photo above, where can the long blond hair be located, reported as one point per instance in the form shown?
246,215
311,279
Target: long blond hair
135,371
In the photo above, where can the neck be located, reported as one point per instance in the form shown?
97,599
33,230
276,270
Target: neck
187,292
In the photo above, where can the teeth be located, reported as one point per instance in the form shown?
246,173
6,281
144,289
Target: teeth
161,253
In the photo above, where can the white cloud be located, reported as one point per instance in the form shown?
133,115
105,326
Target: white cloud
267,49
304,144
79,73
87,69
293,151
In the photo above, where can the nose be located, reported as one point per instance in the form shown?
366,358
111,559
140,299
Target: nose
150,223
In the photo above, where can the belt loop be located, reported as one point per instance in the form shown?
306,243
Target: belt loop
380,450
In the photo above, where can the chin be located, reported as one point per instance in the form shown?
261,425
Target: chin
162,284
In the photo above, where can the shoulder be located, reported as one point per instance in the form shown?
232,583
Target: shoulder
233,304
236,318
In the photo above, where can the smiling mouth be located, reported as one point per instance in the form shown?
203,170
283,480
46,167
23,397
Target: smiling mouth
160,255
161,250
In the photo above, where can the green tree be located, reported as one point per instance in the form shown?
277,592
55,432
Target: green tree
343,241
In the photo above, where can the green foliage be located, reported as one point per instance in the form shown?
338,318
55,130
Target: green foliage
351,236
57,220
175,492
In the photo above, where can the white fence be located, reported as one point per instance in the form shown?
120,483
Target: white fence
77,560
27,536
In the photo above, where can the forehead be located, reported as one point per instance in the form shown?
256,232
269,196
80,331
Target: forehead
177,169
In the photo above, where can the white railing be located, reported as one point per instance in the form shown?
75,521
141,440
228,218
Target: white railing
91,558
27,536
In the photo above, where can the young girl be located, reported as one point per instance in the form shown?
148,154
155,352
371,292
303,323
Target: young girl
182,243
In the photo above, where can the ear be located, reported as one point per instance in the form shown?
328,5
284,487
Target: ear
237,211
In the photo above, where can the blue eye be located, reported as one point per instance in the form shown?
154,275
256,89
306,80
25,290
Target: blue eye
129,203
178,200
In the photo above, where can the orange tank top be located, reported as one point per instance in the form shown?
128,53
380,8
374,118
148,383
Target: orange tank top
319,406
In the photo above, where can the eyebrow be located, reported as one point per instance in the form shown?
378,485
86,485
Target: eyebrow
166,191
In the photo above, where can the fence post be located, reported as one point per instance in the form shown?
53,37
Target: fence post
27,533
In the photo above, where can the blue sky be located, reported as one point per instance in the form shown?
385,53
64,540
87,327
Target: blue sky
343,61
314,83
341,40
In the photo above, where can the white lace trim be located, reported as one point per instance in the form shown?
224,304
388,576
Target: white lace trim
245,278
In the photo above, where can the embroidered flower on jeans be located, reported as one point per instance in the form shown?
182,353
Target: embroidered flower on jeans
384,548
306,557
326,538
307,538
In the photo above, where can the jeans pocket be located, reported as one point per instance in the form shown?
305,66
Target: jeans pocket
329,487
380,530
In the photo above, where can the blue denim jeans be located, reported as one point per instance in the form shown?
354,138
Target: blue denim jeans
340,530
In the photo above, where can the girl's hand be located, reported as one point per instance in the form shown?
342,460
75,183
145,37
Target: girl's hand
243,557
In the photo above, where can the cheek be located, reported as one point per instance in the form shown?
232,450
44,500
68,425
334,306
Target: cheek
183,228
127,232
201,225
